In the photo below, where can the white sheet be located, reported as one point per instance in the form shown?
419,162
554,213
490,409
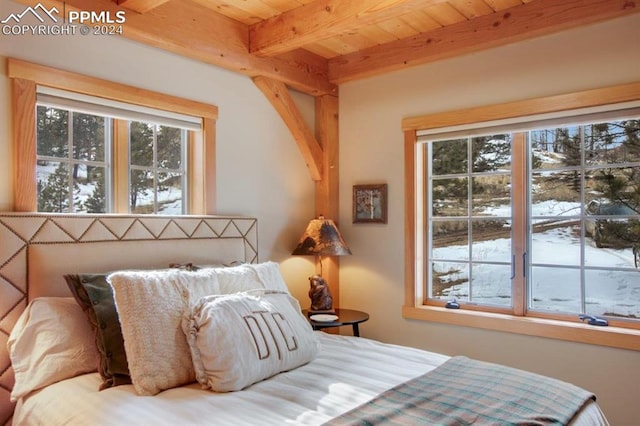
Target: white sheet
348,372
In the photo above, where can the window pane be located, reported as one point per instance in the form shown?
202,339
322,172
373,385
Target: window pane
53,132
556,193
451,240
491,195
614,233
491,153
157,151
611,243
449,280
449,157
555,289
170,193
141,144
491,284
491,240
92,189
88,137
170,147
587,199
612,293
53,187
556,242
141,196
450,197
613,191
614,142
555,148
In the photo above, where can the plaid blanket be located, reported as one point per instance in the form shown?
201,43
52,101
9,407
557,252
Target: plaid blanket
463,391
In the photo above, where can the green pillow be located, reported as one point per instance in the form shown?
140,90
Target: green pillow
95,295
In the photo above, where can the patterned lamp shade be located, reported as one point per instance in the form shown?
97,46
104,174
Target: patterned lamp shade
322,238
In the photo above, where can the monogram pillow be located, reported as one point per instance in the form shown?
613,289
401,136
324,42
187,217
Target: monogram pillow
239,339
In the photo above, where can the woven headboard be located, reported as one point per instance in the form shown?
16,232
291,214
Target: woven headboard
37,249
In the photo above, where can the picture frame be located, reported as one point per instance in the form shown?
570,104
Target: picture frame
370,203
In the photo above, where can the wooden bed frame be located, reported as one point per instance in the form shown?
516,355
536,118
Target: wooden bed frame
36,250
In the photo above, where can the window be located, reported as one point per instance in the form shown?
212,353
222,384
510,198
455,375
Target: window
99,146
523,224
469,222
582,193
75,140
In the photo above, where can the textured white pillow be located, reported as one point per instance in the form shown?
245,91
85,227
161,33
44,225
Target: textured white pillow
150,306
239,339
52,341
250,277
269,275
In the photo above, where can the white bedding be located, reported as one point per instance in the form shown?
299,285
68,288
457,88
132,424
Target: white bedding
348,372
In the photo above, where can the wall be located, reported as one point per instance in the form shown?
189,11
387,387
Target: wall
260,171
371,151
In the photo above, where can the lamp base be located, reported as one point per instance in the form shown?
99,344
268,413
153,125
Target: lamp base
321,300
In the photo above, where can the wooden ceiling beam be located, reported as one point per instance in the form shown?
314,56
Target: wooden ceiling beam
322,19
189,29
280,98
537,18
140,6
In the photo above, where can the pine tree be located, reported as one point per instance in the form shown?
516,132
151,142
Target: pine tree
52,131
490,153
96,202
54,194
141,154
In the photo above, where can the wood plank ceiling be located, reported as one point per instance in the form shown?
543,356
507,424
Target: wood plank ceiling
314,45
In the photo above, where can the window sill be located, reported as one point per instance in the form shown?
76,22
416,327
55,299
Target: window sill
615,337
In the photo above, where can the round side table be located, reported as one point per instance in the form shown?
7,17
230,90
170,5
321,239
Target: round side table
345,317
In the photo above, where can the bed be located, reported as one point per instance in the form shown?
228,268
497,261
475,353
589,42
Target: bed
310,377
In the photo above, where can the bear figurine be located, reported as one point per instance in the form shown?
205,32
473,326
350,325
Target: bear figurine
321,300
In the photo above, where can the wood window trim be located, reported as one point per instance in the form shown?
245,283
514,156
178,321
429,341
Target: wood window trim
616,337
26,76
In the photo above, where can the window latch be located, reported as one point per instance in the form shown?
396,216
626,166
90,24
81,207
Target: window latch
452,304
592,320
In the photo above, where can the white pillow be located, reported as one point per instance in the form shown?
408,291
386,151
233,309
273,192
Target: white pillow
52,341
250,277
239,339
150,305
269,275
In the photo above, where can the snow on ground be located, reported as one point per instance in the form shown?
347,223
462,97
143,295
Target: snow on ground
542,208
169,200
553,288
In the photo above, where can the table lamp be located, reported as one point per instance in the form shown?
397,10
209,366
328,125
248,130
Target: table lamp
321,238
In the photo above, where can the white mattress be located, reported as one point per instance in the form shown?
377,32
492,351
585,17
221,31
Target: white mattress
348,372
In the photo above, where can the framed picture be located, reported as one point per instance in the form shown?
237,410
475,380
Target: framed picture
370,203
